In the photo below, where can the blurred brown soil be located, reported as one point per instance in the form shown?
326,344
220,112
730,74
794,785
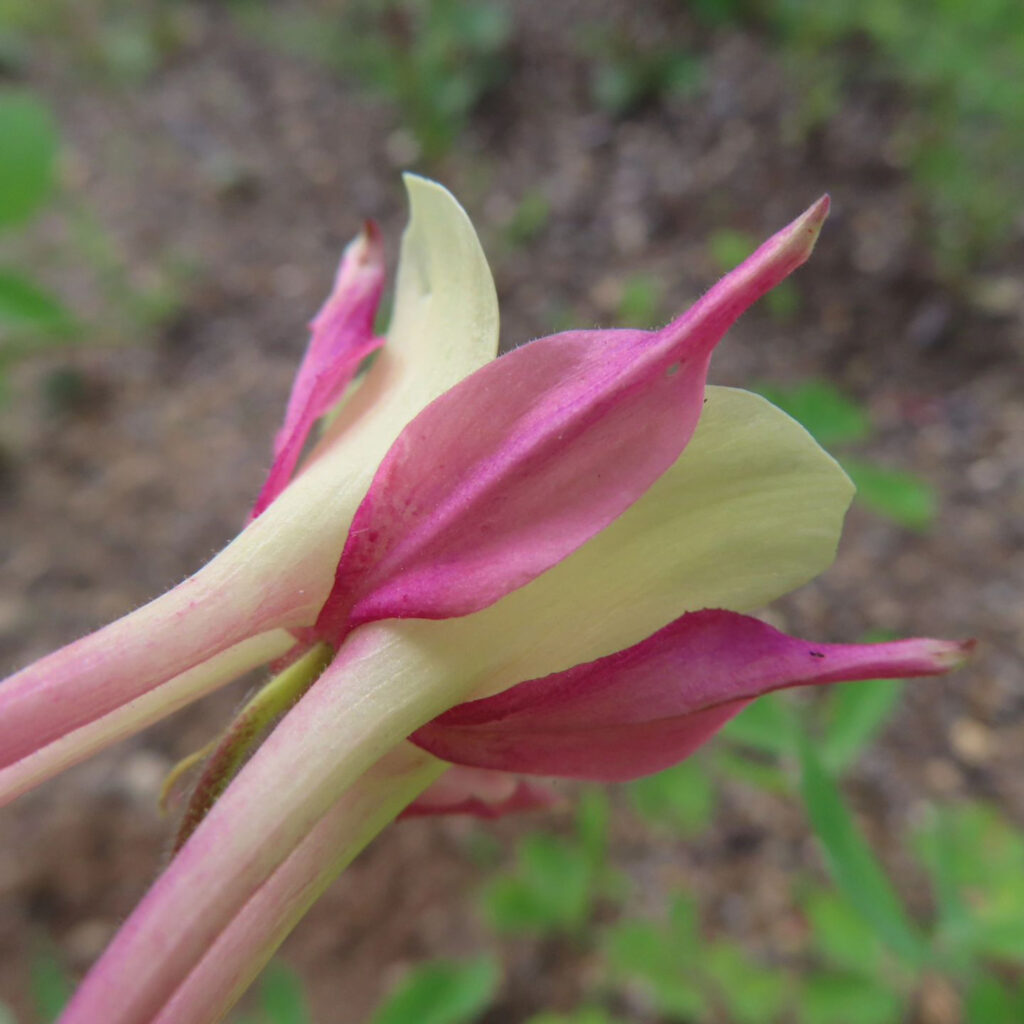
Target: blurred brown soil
254,168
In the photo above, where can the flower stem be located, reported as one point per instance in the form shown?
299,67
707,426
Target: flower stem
246,945
384,684
246,732
140,712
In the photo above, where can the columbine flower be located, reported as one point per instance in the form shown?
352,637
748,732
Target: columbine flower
509,562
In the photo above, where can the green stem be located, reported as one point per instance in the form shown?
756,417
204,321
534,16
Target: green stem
247,731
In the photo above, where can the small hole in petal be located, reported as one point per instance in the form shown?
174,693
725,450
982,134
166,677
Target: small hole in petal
673,369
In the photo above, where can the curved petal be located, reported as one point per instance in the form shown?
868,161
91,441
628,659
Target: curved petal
751,509
444,327
480,794
278,572
342,336
643,709
515,467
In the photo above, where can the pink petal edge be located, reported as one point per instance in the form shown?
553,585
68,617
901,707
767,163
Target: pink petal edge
481,794
342,337
650,706
512,469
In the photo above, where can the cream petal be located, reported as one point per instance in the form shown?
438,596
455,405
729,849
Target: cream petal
444,327
752,509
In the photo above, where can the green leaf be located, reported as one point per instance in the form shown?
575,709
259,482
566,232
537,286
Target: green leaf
976,862
893,493
822,409
851,862
559,874
841,935
767,725
50,985
282,1000
730,248
855,713
683,925
936,846
551,890
845,999
753,994
616,88
681,799
640,302
752,771
25,306
586,1015
783,301
529,219
592,815
28,154
719,12
988,1001
661,960
512,906
441,992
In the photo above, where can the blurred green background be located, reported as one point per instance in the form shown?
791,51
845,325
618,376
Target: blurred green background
176,181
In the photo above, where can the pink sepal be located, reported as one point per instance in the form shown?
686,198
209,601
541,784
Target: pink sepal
481,794
512,469
342,336
650,706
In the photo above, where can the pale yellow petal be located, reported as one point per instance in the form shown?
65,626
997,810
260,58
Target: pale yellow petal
445,326
445,320
752,509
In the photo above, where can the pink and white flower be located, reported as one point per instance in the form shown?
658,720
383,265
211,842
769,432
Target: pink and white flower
538,564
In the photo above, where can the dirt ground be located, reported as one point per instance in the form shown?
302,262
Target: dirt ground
253,168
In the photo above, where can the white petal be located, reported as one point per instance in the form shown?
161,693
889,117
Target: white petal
444,326
445,321
752,509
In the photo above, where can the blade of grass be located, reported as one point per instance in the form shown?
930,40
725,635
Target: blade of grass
855,716
851,862
442,992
